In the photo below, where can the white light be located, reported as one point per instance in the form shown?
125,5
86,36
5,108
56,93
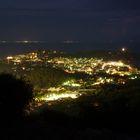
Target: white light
123,49
55,96
9,57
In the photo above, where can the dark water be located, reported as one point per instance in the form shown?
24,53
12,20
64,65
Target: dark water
18,48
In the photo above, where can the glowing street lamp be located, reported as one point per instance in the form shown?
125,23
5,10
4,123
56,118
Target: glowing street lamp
123,49
9,58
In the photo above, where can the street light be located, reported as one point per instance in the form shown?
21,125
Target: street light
9,58
123,49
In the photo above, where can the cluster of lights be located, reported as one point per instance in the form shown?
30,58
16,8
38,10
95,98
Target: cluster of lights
54,89
23,58
92,66
113,63
114,68
72,65
56,96
133,77
102,80
71,83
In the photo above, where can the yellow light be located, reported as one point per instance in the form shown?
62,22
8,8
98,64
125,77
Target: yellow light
113,63
53,89
133,78
103,81
23,68
71,83
17,61
55,96
9,58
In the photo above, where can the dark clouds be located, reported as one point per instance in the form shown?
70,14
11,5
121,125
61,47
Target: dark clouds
91,4
70,19
113,4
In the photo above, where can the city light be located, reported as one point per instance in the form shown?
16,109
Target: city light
56,96
98,71
54,89
9,57
102,80
123,49
71,83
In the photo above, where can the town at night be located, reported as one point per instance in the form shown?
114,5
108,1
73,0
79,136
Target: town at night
74,77
70,69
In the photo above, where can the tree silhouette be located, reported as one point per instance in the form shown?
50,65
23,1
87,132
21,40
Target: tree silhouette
15,94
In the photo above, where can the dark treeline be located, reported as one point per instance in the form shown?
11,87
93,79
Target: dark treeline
112,110
42,77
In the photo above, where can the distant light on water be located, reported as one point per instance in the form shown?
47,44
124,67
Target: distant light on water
26,41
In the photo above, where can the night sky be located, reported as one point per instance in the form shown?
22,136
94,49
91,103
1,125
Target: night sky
79,20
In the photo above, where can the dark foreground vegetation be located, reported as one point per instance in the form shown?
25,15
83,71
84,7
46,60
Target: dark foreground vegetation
113,113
